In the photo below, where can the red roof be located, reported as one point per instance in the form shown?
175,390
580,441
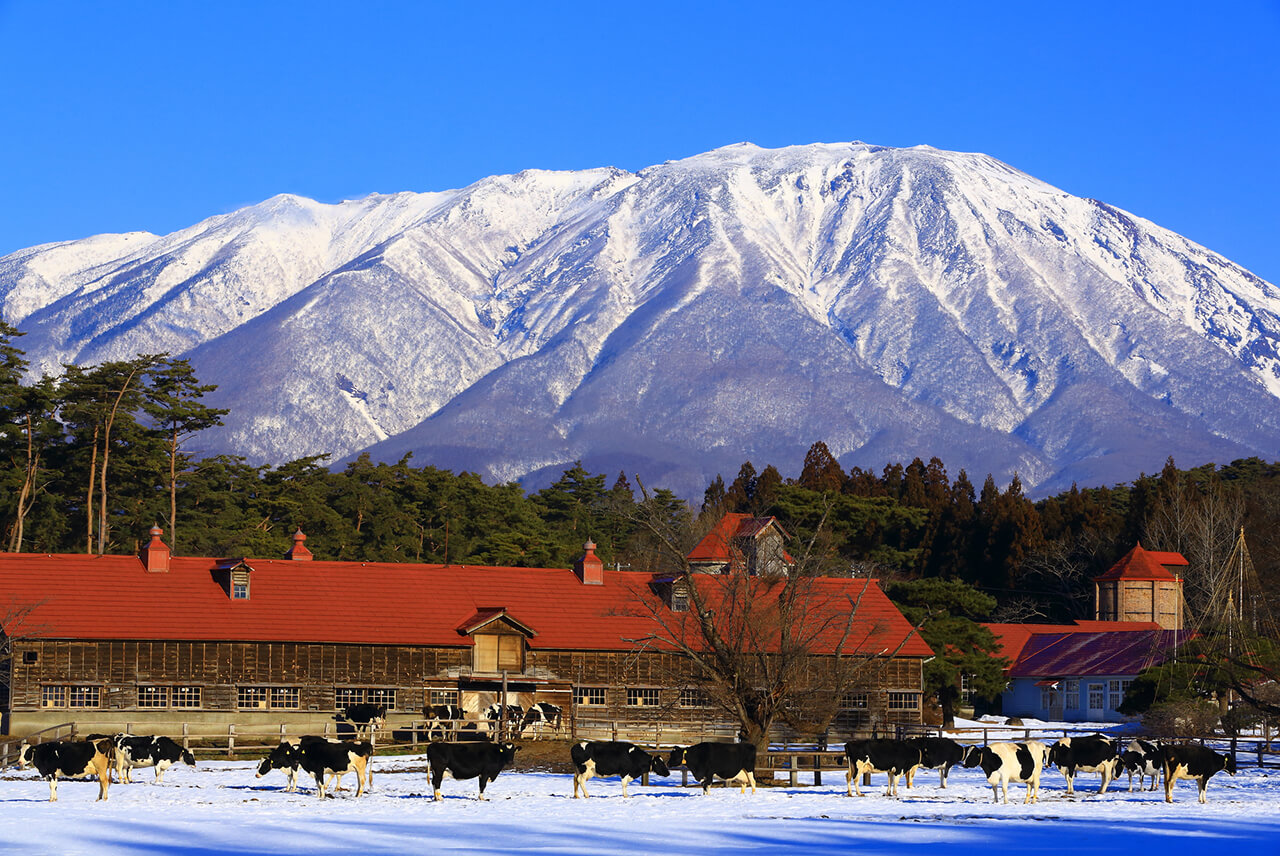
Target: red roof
75,596
1140,564
1013,639
1095,654
715,546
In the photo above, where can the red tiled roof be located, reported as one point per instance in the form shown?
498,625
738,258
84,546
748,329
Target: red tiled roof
714,547
77,596
1095,654
1140,564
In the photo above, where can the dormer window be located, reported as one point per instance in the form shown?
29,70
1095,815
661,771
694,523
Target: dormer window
240,591
499,641
233,576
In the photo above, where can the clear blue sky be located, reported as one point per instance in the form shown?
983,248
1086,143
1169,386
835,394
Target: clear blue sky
151,116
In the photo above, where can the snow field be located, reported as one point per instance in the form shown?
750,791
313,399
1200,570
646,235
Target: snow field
220,807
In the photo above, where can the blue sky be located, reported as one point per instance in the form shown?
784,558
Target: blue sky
151,116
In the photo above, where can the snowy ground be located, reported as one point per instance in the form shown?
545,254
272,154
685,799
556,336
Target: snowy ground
221,808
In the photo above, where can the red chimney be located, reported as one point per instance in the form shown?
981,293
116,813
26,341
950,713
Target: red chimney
589,568
155,556
299,552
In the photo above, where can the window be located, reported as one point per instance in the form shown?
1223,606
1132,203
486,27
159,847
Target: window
85,697
694,698
854,701
589,696
240,591
904,701
53,696
1097,696
443,697
1049,698
679,601
499,653
187,697
30,657
642,697
284,698
149,697
251,698
1073,696
1117,690
347,696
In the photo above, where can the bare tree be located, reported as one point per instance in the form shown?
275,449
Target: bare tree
766,648
15,626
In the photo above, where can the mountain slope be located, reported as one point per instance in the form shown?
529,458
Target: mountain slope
737,304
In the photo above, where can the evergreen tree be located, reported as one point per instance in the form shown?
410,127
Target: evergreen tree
821,471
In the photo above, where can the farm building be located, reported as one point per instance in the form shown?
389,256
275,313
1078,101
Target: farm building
1080,672
112,640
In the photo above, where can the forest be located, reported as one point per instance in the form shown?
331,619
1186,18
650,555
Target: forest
92,458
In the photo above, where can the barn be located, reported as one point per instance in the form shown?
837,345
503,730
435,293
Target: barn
108,640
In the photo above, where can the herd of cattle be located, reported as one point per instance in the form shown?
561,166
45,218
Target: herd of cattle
328,759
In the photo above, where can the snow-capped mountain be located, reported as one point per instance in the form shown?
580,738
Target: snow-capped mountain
739,304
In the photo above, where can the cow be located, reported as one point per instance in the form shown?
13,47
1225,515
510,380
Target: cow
288,757
483,761
159,752
365,717
895,757
442,718
1003,763
71,759
500,714
1189,761
732,762
936,753
1144,757
1092,754
541,714
320,756
612,758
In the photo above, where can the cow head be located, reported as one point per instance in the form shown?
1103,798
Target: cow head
282,757
971,756
1058,752
676,758
188,758
24,754
657,765
1229,763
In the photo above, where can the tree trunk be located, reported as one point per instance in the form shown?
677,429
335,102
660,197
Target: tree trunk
88,499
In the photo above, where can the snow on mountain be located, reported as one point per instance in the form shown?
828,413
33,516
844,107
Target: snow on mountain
739,304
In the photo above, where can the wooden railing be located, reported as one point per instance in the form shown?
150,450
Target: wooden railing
9,745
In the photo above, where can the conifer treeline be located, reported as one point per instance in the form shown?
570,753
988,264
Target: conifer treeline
89,460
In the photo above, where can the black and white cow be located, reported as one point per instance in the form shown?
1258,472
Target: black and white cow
1190,761
288,757
159,752
612,758
483,761
499,714
1144,757
1003,763
894,757
443,719
539,715
365,717
71,759
936,753
1095,753
321,757
732,762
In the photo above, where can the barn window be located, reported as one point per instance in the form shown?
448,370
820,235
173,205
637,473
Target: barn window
1072,693
854,701
439,697
30,657
904,701
187,697
150,697
251,698
84,697
642,697
694,698
284,698
53,696
240,591
588,696
347,696
1117,690
498,653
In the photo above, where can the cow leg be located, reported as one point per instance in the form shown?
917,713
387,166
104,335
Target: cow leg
1202,782
483,782
580,781
53,788
320,784
160,770
1170,779
625,780
848,780
361,764
104,778
1071,782
1106,778
892,790
942,779
751,777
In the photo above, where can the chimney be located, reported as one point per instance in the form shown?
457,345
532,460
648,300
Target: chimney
299,552
589,568
155,556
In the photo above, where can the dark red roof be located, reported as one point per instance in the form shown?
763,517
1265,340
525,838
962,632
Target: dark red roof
1013,639
1140,564
1095,654
715,545
76,596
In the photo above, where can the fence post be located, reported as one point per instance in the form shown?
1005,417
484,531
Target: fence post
795,762
231,740
186,735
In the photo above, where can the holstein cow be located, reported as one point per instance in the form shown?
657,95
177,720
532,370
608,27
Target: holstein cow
612,758
159,752
1092,754
1189,761
483,761
71,759
541,714
442,718
284,757
732,762
365,717
1144,757
1003,763
322,756
289,757
936,753
503,714
895,757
